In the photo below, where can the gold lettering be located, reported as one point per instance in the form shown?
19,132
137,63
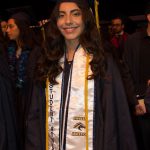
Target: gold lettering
78,134
78,118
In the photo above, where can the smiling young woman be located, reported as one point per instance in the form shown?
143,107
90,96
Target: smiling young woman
79,105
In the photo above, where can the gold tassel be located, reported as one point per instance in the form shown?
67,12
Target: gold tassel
46,127
96,3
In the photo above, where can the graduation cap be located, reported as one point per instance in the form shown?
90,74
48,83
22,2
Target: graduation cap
24,13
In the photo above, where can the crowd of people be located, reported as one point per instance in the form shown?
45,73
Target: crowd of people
69,86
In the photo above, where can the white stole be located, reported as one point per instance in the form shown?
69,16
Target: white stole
76,124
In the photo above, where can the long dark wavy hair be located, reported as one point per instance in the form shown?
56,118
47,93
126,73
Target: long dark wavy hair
27,35
54,45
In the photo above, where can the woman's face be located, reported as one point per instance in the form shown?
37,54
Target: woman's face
12,30
4,26
70,22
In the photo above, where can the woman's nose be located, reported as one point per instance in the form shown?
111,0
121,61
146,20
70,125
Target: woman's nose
7,30
68,19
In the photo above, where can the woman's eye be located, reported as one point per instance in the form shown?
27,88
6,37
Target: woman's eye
77,14
10,26
60,15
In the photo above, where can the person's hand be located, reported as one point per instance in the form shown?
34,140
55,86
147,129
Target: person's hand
140,108
42,22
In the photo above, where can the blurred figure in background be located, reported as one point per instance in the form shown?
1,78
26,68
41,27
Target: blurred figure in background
119,36
137,54
2,43
3,38
23,52
4,26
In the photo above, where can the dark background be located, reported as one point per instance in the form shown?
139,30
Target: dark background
107,8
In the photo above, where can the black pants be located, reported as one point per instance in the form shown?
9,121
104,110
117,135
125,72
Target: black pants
141,125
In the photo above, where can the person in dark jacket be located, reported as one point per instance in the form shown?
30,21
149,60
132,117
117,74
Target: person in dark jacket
78,100
137,58
119,36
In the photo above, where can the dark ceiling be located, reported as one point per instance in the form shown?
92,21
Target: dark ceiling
107,8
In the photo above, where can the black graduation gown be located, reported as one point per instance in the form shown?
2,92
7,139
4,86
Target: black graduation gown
21,95
8,132
112,123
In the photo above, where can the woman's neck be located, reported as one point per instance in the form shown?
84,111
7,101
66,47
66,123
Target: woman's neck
70,49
